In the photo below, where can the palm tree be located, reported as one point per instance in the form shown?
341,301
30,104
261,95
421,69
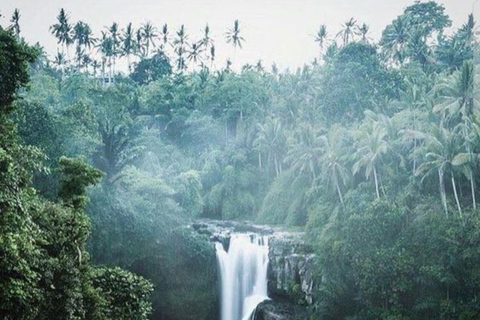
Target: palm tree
164,34
321,36
194,54
467,162
62,30
115,40
332,159
348,31
60,60
180,42
270,140
212,55
457,96
259,66
305,151
82,35
362,31
15,20
128,44
149,35
139,49
95,65
371,148
441,148
233,36
106,48
395,38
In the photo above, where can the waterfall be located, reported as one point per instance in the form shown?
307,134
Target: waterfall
243,275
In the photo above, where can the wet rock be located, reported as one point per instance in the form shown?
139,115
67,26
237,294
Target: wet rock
291,273
274,310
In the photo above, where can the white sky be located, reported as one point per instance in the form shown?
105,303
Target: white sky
274,30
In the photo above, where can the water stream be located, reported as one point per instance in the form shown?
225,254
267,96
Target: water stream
243,273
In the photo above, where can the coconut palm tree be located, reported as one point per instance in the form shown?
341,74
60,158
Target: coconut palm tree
139,50
233,36
128,44
95,65
362,31
83,36
305,151
321,37
467,162
15,22
270,141
164,35
180,43
207,40
394,39
212,55
457,99
372,146
62,30
348,31
114,32
439,151
194,54
149,35
106,48
60,60
332,159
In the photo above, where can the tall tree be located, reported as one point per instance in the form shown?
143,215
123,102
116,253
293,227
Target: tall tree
233,36
15,20
128,44
321,37
439,151
333,159
372,146
114,31
149,35
348,31
164,35
62,30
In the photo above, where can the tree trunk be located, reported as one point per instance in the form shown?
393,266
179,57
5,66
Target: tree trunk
376,181
414,158
340,195
472,186
226,132
456,196
276,164
442,192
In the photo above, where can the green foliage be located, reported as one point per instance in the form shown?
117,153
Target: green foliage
46,272
368,149
77,176
151,69
126,294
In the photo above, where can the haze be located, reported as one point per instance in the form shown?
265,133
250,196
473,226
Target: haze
280,31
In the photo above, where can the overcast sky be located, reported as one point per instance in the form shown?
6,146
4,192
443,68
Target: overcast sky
274,30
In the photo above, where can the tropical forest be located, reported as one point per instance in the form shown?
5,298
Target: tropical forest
143,177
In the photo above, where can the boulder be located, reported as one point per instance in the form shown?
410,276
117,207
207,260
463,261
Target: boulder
274,310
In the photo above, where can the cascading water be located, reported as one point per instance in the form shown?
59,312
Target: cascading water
243,272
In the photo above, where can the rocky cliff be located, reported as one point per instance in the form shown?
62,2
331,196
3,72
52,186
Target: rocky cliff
291,274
